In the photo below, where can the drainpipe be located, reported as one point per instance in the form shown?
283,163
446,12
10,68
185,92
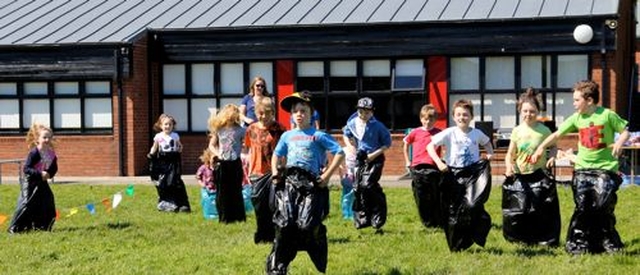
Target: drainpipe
605,72
151,41
121,140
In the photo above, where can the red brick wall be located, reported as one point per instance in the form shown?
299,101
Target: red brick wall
618,96
136,103
87,155
77,155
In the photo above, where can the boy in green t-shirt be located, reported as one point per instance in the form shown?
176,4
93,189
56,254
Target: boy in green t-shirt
595,180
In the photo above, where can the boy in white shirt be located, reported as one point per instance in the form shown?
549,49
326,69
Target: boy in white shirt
467,179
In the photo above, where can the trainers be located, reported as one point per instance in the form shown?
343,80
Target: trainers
577,248
166,206
184,209
611,246
379,231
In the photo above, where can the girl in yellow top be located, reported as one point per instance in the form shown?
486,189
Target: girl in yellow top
530,209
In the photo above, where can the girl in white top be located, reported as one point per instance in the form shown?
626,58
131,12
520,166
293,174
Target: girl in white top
166,140
166,163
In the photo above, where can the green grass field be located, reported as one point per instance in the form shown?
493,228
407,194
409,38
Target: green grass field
134,238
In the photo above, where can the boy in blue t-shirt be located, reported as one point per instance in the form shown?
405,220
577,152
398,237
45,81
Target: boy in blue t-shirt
371,138
300,200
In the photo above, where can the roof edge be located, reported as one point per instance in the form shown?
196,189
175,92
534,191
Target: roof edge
382,24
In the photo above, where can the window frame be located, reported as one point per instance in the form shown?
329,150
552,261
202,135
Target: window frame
50,97
549,90
218,97
322,98
394,77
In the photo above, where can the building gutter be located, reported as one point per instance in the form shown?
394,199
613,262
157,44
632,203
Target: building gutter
119,53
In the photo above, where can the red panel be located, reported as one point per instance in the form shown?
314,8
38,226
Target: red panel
437,81
284,85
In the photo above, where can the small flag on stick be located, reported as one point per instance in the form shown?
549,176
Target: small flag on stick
107,204
72,212
91,208
117,198
130,190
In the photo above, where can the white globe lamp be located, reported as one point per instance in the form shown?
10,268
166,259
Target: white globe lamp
583,34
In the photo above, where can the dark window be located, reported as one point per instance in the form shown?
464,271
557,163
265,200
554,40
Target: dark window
336,101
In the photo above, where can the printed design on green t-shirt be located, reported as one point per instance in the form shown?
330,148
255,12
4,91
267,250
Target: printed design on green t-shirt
527,150
591,137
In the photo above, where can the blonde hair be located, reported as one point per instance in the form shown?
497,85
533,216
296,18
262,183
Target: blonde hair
426,110
266,105
158,125
228,116
34,134
206,156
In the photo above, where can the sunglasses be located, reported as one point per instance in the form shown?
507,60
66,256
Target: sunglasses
259,86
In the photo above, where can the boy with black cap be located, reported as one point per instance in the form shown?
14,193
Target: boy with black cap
371,138
300,203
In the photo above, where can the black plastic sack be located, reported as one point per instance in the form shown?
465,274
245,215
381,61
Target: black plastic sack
154,172
228,176
172,194
290,240
36,207
300,206
426,180
370,204
592,227
298,202
465,190
262,198
530,209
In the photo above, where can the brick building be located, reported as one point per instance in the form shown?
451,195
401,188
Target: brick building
100,73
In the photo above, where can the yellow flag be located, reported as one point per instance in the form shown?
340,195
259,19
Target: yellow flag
3,218
72,212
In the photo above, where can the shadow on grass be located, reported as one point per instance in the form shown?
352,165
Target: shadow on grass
111,226
496,226
393,271
58,182
118,225
396,271
338,240
634,252
532,251
633,242
489,250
